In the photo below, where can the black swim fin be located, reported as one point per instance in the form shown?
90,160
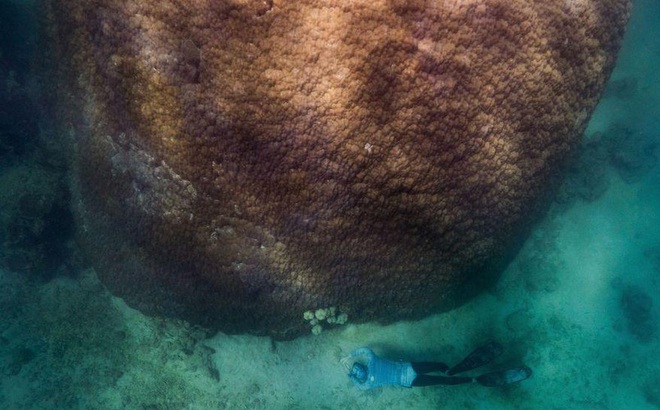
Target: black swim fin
479,357
504,377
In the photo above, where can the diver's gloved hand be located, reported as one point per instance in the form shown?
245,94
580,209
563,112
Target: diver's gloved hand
346,362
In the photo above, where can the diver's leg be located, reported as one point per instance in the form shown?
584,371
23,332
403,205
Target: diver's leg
479,357
425,380
503,377
429,367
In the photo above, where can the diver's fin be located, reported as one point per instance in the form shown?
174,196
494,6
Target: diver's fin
504,377
479,357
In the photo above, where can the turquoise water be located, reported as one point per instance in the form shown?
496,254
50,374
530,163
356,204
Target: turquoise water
578,305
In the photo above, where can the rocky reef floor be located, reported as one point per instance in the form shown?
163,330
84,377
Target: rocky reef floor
578,305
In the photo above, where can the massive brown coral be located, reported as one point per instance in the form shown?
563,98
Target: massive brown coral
237,162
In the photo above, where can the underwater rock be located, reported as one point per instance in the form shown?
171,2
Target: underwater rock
637,308
587,176
237,163
623,88
36,226
632,153
651,390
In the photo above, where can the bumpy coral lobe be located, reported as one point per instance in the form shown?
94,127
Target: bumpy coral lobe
240,162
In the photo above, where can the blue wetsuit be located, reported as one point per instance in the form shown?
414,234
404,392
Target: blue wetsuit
383,372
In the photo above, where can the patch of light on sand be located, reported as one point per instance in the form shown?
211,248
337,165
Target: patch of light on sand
596,247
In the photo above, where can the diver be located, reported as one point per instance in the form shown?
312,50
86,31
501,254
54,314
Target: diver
374,371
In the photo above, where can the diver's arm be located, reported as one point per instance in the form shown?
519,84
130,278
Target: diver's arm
363,351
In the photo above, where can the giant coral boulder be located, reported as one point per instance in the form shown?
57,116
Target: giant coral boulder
236,162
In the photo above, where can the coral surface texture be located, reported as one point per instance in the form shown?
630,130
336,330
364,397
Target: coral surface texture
236,163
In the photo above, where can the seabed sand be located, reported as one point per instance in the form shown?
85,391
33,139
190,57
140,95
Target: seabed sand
578,305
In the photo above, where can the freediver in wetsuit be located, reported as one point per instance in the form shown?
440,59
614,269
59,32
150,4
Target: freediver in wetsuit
369,371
